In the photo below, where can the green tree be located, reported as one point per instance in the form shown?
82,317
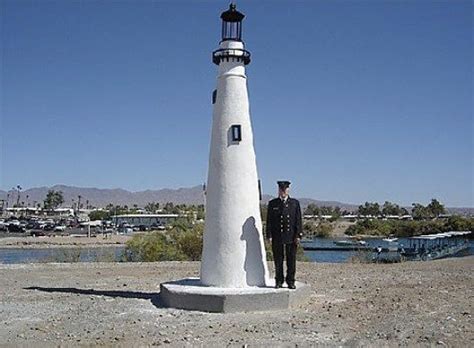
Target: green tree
152,207
312,209
436,208
336,213
99,215
420,212
169,208
53,199
459,223
326,210
372,209
390,208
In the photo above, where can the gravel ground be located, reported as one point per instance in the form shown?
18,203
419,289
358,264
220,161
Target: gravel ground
413,303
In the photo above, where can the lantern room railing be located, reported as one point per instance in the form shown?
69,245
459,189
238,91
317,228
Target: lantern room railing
226,54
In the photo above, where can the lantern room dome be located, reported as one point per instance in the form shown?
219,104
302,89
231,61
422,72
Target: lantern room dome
232,15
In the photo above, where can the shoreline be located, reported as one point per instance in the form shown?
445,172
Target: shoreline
52,242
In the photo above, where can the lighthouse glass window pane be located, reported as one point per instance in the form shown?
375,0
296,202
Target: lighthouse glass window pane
236,132
214,96
239,30
225,30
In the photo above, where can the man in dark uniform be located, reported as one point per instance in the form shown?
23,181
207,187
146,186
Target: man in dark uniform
284,230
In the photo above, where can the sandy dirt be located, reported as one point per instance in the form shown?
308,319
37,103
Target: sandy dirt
413,303
30,242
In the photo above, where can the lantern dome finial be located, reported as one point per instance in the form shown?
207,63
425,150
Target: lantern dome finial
232,15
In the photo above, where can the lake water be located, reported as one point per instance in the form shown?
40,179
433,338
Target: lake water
18,255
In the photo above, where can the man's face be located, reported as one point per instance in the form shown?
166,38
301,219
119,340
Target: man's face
283,192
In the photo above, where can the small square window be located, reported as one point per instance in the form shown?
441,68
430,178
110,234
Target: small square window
236,132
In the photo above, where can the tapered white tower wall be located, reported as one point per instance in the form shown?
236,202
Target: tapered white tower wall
233,252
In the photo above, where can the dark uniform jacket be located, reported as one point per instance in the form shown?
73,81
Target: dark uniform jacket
284,222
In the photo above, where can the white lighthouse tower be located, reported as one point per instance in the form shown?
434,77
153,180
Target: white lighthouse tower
234,274
233,252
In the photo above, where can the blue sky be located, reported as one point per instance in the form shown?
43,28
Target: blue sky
350,100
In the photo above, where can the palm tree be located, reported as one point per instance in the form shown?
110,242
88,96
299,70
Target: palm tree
18,189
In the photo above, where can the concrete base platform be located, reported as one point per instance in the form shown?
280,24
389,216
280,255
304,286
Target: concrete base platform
190,294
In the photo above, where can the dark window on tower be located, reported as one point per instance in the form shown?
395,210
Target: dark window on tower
214,96
236,132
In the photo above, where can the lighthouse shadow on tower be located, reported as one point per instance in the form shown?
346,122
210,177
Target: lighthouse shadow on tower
253,265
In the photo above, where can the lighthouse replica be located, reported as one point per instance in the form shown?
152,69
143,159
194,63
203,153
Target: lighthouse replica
233,251
234,275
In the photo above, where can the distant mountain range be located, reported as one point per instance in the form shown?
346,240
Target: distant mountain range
191,195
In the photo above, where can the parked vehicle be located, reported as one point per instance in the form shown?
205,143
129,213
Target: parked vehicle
60,228
156,226
48,227
31,225
14,228
125,228
37,233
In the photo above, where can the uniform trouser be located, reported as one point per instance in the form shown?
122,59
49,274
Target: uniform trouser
290,254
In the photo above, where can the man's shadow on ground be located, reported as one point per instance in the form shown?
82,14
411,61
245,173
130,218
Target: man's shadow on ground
154,297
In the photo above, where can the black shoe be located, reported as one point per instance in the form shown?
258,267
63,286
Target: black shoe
278,285
291,286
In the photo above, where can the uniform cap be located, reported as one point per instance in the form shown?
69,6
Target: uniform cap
283,184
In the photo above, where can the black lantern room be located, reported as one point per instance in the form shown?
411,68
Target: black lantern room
231,31
232,24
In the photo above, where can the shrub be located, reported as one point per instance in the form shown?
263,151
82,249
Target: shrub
409,228
152,247
178,244
321,230
190,242
324,230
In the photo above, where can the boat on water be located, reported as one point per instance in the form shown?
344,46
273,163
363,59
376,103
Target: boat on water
435,246
349,243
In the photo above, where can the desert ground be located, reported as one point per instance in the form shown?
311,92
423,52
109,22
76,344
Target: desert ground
412,303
